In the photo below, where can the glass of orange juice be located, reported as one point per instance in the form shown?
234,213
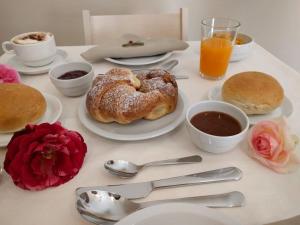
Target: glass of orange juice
217,38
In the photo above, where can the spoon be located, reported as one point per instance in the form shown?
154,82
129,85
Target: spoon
107,206
128,169
92,218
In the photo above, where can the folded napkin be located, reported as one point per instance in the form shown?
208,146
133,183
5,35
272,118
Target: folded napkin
291,221
129,46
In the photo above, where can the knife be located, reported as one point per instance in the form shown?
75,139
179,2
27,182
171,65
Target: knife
143,189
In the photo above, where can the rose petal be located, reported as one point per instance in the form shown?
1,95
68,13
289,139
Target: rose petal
9,75
65,167
35,164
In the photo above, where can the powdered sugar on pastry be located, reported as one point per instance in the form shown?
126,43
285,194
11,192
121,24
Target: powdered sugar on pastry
120,96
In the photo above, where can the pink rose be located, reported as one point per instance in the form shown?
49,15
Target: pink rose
44,155
9,75
272,145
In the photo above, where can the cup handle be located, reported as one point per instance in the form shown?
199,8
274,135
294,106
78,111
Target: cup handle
6,44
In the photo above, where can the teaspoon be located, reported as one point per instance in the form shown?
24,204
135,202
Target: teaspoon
107,206
128,169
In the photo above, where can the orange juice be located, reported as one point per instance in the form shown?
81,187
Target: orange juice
215,55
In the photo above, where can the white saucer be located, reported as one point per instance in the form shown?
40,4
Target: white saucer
140,61
286,108
17,64
53,112
138,130
177,214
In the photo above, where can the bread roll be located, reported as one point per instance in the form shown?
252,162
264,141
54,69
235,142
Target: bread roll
253,92
19,106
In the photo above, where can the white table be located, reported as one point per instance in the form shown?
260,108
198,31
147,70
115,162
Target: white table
270,196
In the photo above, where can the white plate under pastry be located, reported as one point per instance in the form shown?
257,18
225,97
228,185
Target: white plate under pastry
177,214
53,112
14,62
140,61
286,108
137,130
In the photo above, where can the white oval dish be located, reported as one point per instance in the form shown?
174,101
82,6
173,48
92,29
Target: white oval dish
140,61
137,130
286,108
242,51
14,62
211,143
72,87
177,214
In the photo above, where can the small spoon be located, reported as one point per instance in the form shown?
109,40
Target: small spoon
128,169
107,206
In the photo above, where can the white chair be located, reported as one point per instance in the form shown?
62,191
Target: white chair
101,27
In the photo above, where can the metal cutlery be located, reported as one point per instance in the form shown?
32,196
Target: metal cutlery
128,169
113,207
181,77
143,189
168,66
93,219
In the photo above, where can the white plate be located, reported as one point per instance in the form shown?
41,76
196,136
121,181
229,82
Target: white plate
177,214
17,64
53,112
285,109
138,130
140,61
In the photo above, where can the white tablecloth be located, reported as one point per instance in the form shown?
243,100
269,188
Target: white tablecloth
270,196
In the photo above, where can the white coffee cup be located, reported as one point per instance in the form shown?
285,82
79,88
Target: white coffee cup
33,54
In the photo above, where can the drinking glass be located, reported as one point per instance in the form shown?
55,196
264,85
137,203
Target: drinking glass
217,38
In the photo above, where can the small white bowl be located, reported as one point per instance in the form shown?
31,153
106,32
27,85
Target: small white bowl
211,143
72,87
243,50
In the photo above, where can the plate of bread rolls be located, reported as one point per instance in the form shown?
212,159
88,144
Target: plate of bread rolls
258,94
124,106
21,105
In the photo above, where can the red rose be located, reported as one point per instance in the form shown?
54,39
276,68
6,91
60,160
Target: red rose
44,155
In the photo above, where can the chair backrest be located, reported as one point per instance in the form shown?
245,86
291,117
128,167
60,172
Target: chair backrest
172,25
